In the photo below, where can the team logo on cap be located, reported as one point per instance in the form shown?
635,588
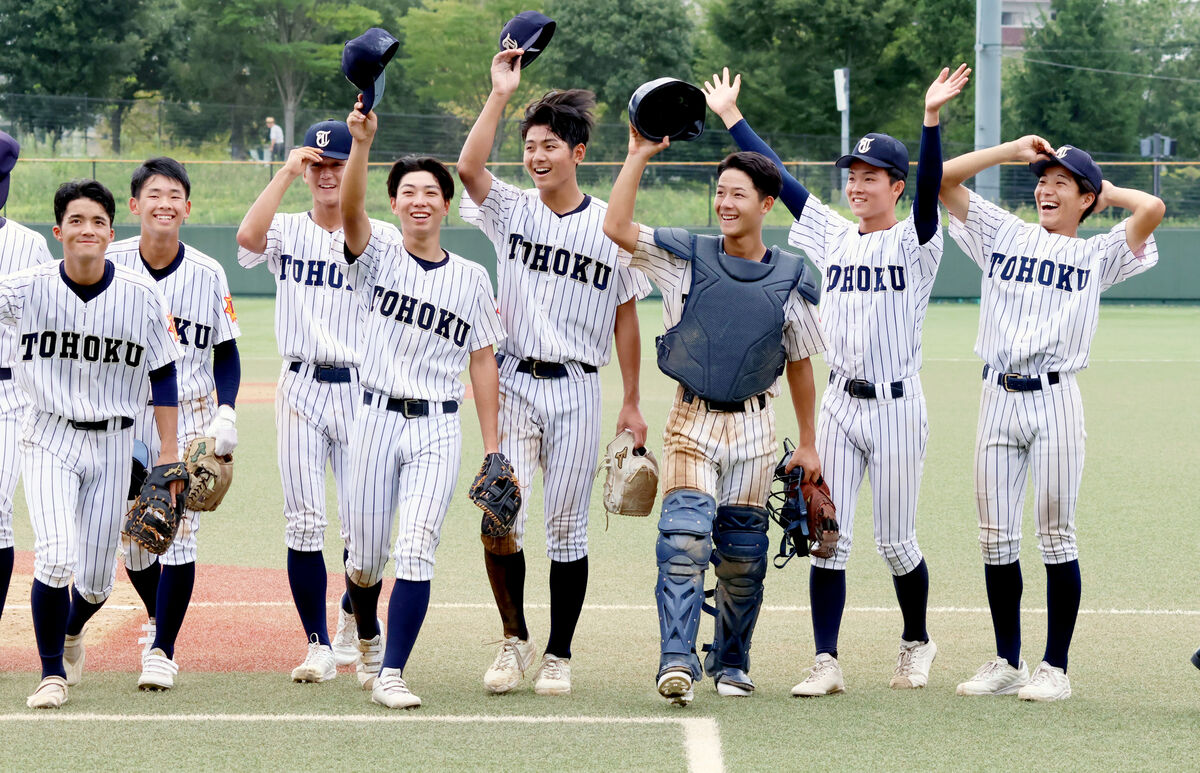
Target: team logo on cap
509,43
323,138
864,144
1062,152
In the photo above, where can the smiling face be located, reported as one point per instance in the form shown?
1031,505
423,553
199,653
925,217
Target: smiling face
419,204
870,191
1060,201
162,206
548,159
324,179
84,230
738,204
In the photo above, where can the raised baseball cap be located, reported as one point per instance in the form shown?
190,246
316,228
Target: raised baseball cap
10,149
881,150
1077,162
667,107
332,138
530,31
364,60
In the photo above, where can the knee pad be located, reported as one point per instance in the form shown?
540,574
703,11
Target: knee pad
683,550
741,544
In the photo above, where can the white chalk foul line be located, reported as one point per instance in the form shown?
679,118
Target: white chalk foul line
701,735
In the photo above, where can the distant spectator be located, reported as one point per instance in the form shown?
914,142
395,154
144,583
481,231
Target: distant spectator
274,140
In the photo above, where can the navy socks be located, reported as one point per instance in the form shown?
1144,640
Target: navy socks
145,583
81,611
6,568
1004,587
568,586
827,594
1063,591
406,613
365,602
174,595
50,609
912,592
306,576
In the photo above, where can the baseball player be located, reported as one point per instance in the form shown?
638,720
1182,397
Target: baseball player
561,290
432,315
19,248
719,444
319,316
1038,311
878,274
94,344
201,306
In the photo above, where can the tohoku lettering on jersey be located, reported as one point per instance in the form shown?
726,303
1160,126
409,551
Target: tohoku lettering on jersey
1040,293
319,313
876,291
87,360
200,303
560,278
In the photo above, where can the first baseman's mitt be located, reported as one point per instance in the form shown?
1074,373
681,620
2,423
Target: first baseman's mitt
210,475
631,482
155,515
497,492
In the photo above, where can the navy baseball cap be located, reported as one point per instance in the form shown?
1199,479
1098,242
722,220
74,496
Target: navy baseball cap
879,150
364,60
332,138
9,150
1077,162
530,31
667,107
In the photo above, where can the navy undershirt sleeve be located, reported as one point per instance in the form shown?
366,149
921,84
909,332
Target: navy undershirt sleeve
164,387
227,371
929,183
794,195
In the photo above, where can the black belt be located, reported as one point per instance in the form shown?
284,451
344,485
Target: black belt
327,374
539,369
725,407
5,374
125,421
410,408
1015,382
865,390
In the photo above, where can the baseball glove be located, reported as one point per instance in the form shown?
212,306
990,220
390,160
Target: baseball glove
631,482
209,474
822,518
497,492
155,515
804,510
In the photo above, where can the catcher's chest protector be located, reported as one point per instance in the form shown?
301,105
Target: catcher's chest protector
728,345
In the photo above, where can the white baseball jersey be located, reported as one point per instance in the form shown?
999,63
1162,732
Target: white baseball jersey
875,291
318,310
559,276
201,306
87,361
1040,298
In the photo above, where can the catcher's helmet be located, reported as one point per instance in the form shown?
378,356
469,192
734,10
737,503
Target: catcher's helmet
364,60
530,31
9,150
667,107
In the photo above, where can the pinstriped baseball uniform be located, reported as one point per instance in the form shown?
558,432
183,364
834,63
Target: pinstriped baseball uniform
201,306
20,248
1038,312
424,321
320,308
730,456
82,362
873,302
560,282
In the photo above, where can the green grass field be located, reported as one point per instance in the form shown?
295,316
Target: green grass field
1136,702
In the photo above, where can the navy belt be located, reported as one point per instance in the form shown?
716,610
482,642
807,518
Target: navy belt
539,369
327,374
1015,382
724,407
411,409
865,390
124,421
5,374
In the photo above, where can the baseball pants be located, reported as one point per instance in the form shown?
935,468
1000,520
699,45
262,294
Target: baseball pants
12,411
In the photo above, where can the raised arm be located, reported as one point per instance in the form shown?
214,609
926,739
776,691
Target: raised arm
929,166
252,233
355,222
618,222
956,171
472,161
1147,211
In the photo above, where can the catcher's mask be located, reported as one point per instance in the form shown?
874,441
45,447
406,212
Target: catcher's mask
786,505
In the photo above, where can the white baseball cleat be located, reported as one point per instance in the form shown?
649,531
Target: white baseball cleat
149,631
824,678
73,655
345,641
553,676
727,688
51,693
158,671
996,677
675,684
370,660
507,670
318,665
391,690
1048,683
912,666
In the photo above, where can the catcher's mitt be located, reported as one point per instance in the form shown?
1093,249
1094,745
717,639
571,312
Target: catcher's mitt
497,492
631,483
155,514
210,475
805,511
822,518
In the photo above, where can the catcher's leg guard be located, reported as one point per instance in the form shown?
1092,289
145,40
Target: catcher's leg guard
740,542
684,548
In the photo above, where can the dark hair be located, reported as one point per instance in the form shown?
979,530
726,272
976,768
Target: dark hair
567,113
167,167
895,176
83,189
421,164
1085,186
761,170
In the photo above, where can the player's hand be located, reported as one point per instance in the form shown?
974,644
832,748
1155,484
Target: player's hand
946,87
362,127
1032,148
223,429
630,418
506,72
170,455
721,94
299,159
806,456
1104,197
640,147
